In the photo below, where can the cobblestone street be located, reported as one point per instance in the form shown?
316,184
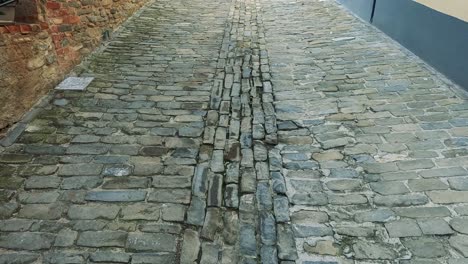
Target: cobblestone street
243,131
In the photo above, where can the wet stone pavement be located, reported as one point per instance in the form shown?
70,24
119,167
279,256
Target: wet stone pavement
244,131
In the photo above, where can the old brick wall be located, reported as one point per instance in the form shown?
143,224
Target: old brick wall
49,38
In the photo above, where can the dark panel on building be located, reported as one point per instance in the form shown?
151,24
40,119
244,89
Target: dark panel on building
362,8
437,38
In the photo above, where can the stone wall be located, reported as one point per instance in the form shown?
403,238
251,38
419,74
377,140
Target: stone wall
49,38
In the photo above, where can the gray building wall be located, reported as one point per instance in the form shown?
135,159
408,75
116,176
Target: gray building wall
438,38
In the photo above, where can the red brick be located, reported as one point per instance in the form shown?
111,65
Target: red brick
54,29
25,29
63,12
57,38
60,51
53,5
13,28
71,20
44,25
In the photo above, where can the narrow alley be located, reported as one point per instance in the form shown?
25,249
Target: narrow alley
243,131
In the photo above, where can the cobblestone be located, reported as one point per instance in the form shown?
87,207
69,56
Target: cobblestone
102,239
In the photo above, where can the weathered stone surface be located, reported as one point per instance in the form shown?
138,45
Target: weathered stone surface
343,185
190,247
460,243
460,184
140,212
425,247
448,197
247,184
281,209
171,182
269,254
90,212
215,191
309,199
15,225
422,212
64,257
231,227
160,228
126,183
460,225
39,197
322,247
264,195
18,258
65,238
217,163
315,230
200,181
415,164
42,182
267,229
231,196
457,261
196,211
232,172
170,196
355,231
347,199
210,253
305,186
389,188
41,211
148,258
102,239
173,212
247,240
434,227
369,250
379,215
151,242
401,200
443,172
343,173
117,170
426,185
213,223
7,209
403,228
286,243
380,167
306,216
103,256
116,196
81,182
27,241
